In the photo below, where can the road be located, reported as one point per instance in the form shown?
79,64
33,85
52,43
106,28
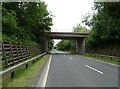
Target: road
77,71
54,51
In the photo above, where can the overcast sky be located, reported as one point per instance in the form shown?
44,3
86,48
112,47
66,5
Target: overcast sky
68,13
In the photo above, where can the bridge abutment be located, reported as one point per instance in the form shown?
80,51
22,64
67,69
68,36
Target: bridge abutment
44,45
79,37
80,45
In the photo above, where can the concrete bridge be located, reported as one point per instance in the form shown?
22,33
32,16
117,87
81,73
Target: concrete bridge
79,37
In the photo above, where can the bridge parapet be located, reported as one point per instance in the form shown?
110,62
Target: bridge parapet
65,35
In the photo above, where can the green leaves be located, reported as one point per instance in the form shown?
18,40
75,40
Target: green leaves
81,29
105,24
66,45
25,21
50,44
9,22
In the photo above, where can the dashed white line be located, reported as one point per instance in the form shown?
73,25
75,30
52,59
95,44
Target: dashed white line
94,69
70,57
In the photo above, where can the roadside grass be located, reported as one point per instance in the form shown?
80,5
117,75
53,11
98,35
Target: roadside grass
105,59
25,76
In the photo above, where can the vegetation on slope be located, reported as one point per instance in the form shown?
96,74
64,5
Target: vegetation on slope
25,22
105,23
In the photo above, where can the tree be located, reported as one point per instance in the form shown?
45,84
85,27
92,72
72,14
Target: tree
105,23
66,45
26,21
50,44
81,29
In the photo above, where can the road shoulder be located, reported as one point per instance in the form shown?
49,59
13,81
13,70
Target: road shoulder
43,78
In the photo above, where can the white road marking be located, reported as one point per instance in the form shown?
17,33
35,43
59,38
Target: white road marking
48,67
94,69
43,79
70,57
103,62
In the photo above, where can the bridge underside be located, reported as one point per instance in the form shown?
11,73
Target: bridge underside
79,37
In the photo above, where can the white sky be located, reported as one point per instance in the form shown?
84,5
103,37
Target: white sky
68,13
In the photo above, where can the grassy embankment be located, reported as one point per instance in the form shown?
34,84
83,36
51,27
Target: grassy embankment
25,77
105,59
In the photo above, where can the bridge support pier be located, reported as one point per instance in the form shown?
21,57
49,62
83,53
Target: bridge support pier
80,45
44,45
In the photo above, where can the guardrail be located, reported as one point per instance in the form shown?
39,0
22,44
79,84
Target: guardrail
11,70
13,53
107,56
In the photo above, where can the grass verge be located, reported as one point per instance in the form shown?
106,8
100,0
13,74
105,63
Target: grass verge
24,77
113,60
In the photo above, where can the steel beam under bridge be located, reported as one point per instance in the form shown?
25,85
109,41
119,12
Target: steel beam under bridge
79,37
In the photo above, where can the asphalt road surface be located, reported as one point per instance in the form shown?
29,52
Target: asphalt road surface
67,70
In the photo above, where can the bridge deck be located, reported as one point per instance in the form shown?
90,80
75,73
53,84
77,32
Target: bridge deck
66,35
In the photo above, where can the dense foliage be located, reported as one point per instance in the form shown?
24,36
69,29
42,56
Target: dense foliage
80,29
25,22
66,45
50,44
105,23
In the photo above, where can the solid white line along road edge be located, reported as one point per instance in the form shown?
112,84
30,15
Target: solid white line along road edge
94,69
43,79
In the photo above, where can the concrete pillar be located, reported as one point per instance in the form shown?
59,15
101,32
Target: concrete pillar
44,45
80,45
